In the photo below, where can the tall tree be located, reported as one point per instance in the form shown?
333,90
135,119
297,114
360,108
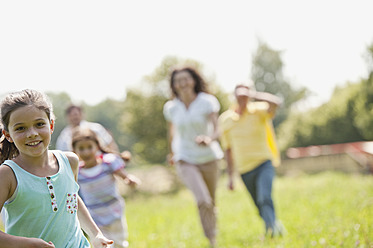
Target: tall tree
143,122
364,102
108,113
267,75
328,124
347,117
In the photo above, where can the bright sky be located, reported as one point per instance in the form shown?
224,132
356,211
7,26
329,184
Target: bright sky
96,49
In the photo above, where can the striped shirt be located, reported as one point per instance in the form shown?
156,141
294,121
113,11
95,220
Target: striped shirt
99,192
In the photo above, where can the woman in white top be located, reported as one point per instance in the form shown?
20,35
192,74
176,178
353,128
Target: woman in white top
192,116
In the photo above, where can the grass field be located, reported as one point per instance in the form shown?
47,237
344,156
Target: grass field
323,210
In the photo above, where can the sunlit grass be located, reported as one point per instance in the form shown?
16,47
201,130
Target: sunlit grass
328,209
323,210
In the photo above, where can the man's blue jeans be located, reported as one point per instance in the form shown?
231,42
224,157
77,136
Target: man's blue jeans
259,183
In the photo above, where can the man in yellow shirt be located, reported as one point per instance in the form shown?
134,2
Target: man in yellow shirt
247,138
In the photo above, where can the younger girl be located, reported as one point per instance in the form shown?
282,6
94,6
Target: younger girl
37,186
97,185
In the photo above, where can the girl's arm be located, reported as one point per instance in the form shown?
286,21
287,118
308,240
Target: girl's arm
128,178
10,241
89,226
8,184
86,222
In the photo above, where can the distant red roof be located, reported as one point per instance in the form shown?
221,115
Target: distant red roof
311,151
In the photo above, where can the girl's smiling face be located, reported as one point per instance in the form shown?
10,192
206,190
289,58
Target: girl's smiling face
87,150
30,130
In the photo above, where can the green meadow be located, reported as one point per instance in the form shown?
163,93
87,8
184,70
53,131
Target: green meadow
323,210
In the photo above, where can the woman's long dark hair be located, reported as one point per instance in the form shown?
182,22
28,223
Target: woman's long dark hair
200,84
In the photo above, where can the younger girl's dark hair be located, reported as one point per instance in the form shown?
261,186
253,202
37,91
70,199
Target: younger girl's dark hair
12,102
80,134
200,86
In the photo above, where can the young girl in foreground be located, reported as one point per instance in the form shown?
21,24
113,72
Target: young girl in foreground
97,185
38,188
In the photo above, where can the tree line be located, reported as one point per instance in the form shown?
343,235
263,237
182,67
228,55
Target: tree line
137,123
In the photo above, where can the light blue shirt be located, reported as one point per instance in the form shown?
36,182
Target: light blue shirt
45,207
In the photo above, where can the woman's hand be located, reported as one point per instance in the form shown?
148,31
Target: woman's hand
101,242
170,159
203,140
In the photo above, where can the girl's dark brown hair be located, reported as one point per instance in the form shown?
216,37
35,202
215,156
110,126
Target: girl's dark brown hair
12,102
80,134
200,84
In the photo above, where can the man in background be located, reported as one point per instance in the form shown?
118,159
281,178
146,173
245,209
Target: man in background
74,117
248,141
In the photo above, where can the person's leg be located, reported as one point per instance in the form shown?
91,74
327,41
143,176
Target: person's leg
248,179
210,174
264,181
259,183
194,181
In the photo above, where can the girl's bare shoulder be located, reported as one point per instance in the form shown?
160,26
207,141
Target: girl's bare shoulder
8,182
73,159
6,172
71,155
74,162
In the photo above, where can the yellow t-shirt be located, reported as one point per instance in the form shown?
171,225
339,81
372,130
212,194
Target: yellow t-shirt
249,136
